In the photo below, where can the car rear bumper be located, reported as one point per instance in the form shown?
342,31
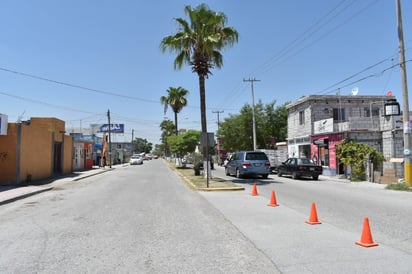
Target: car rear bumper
309,174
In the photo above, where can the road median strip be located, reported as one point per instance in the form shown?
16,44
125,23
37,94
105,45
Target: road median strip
200,183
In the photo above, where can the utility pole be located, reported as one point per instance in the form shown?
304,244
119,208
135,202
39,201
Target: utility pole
405,114
253,110
110,140
218,119
132,141
217,136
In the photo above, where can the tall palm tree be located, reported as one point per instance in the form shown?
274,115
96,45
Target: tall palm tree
176,99
198,43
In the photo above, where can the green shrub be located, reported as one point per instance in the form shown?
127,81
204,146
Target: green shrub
399,186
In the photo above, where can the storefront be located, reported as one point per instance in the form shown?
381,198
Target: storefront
323,148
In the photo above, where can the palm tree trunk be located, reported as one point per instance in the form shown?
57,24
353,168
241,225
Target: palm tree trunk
204,127
202,103
176,123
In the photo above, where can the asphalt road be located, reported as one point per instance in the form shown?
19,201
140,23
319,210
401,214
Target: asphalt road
144,219
134,219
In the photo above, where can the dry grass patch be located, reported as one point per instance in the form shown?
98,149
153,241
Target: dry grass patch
199,182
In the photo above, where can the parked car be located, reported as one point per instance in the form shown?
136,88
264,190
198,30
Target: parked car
136,160
300,167
245,163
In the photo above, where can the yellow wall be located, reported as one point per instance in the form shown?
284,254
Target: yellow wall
36,150
8,154
68,150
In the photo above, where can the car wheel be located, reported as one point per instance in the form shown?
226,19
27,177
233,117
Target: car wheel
294,175
315,177
227,172
279,174
238,175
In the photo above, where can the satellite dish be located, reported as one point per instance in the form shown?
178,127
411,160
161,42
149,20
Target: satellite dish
355,91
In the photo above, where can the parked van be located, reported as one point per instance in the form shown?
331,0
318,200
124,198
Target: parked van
244,163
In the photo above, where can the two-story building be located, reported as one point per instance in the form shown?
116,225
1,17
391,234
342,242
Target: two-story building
317,123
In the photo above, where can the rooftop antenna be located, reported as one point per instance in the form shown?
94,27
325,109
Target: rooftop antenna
20,117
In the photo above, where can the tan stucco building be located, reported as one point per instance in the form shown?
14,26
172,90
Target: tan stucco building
33,150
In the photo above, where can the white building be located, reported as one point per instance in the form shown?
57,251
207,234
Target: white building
317,123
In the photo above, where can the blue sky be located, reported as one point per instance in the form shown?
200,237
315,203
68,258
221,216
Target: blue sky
76,59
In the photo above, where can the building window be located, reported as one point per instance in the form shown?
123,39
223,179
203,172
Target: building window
375,112
339,114
301,117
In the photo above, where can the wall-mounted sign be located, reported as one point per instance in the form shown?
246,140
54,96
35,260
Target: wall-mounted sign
3,124
114,128
323,126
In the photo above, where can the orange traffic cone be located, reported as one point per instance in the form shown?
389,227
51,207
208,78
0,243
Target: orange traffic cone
254,190
273,199
366,238
313,219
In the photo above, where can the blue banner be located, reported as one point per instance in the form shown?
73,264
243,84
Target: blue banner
114,128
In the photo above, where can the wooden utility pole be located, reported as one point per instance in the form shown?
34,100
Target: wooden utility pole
217,136
405,104
110,140
253,110
132,141
218,117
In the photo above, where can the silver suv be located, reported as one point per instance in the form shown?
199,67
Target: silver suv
244,163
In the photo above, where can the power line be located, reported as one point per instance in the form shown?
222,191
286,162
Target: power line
367,77
354,75
309,32
292,48
290,54
83,88
43,103
77,86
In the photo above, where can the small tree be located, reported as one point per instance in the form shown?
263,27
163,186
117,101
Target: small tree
184,143
354,154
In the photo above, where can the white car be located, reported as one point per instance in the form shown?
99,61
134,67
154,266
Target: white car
136,160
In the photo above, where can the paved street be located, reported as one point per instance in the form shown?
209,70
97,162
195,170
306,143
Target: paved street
134,219
145,219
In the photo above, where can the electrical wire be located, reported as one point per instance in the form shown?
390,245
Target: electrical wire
78,86
44,103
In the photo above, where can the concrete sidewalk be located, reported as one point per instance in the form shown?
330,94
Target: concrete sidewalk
9,194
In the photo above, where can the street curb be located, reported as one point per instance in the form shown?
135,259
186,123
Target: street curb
25,195
90,175
220,188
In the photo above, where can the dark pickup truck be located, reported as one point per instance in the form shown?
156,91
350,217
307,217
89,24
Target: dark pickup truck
300,167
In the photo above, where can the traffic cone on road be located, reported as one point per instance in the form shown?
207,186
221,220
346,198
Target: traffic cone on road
313,218
273,199
366,238
254,190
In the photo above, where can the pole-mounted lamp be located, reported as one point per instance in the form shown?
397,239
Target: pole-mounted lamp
392,108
